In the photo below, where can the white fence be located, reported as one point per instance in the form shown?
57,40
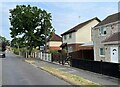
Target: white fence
40,55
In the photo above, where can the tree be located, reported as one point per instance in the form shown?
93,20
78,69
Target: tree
3,43
2,39
31,25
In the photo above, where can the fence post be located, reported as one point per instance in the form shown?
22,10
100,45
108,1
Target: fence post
101,66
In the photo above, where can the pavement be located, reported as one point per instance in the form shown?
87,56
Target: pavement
94,77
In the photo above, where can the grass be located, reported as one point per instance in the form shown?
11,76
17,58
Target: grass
75,80
30,61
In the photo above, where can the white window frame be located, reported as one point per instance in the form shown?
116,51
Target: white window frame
102,55
102,31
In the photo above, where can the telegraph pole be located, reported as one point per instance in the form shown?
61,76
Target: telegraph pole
45,37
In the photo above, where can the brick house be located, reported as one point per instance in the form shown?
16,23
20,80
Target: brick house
106,39
78,35
54,42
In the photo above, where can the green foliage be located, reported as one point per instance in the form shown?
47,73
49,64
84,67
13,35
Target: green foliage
53,51
15,50
2,39
3,43
21,50
29,26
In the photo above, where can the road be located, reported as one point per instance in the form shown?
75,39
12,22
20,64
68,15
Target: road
17,72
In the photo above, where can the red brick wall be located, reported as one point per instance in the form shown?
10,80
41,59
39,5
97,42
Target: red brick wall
54,48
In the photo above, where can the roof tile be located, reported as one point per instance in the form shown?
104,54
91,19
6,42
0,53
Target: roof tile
110,19
113,37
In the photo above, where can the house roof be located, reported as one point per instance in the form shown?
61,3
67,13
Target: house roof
63,45
112,18
55,37
77,27
112,38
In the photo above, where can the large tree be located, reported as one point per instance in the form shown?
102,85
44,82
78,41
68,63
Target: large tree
3,43
3,39
31,24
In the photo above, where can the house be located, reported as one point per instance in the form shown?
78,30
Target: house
54,42
78,35
106,39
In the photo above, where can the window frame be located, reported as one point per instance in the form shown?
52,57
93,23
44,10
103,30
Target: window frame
102,31
102,53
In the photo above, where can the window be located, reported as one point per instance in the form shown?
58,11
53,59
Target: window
102,52
65,37
102,31
70,49
70,35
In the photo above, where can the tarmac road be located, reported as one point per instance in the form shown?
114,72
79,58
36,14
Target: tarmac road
17,72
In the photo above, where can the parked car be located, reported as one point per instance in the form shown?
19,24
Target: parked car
2,49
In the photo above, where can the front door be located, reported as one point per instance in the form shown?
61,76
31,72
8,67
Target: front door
114,54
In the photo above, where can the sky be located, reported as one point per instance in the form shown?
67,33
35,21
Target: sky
65,15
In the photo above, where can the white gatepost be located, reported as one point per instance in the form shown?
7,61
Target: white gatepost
41,55
38,55
46,56
26,54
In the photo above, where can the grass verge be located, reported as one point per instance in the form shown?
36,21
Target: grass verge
73,79
30,61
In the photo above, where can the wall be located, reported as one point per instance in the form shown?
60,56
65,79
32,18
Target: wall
55,43
83,35
70,40
54,48
97,39
74,47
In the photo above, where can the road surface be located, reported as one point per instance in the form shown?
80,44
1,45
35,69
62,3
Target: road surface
17,72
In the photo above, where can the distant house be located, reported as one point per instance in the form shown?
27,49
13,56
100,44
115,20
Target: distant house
78,35
54,42
106,39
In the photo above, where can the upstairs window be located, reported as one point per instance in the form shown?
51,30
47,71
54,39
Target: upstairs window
65,37
102,31
70,35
